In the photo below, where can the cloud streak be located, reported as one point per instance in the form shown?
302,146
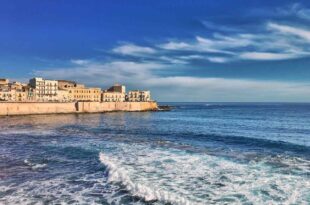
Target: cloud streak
179,88
266,56
131,49
274,42
290,30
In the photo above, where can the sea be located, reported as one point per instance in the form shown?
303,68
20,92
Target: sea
197,153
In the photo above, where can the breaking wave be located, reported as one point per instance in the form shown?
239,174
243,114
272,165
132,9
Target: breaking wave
178,177
141,190
33,165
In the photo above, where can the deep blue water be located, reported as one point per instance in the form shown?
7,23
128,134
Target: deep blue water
198,153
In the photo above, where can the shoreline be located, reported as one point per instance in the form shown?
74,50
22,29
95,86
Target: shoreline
38,108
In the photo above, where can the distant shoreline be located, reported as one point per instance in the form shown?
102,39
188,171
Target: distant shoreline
33,108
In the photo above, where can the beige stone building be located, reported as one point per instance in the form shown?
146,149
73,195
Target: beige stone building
65,84
4,83
64,96
7,95
107,96
78,92
117,88
115,93
21,96
85,94
5,92
17,85
26,94
45,90
139,96
30,92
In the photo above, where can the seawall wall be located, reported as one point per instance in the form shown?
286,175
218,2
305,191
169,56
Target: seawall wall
13,108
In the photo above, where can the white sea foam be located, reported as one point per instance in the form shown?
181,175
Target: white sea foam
175,176
34,166
142,190
56,190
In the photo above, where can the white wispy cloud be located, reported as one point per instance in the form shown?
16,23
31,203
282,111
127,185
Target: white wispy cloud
271,42
132,49
290,30
80,61
266,56
219,59
274,42
199,44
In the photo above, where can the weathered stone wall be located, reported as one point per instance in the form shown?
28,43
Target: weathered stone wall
36,108
115,106
7,108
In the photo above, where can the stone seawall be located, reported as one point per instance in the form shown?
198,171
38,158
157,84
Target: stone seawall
115,106
12,108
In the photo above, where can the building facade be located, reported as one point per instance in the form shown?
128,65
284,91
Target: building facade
63,96
20,96
85,94
115,93
107,96
7,95
45,90
4,81
117,88
42,90
139,96
65,84
78,92
17,85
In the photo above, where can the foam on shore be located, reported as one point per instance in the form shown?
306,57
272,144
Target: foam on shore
177,177
144,191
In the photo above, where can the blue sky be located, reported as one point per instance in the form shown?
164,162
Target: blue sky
181,50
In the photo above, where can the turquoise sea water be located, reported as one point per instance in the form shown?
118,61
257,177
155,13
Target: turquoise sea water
199,153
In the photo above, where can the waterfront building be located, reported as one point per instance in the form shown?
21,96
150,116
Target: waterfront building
30,92
63,96
108,96
17,85
20,96
42,90
115,93
139,96
80,93
4,83
26,94
7,95
65,84
45,90
117,88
